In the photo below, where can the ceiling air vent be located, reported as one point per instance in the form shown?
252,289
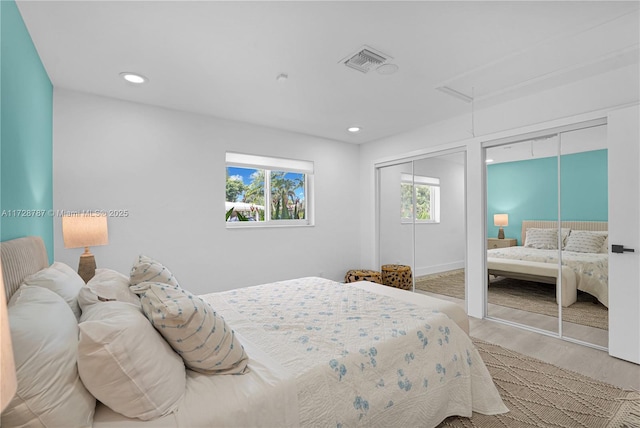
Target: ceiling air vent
366,59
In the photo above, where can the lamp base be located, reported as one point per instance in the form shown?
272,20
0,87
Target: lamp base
87,267
501,233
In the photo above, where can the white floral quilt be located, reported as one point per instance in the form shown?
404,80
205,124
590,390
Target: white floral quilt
360,358
592,269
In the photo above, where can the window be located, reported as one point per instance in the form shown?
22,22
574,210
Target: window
265,191
427,196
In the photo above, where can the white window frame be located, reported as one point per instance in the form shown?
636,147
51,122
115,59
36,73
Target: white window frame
434,205
268,164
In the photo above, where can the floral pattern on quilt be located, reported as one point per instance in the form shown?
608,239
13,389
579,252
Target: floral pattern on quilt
592,269
374,359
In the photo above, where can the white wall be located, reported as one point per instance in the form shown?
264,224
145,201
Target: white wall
167,168
438,246
549,108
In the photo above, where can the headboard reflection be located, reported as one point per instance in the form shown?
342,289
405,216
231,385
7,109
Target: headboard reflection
20,258
573,225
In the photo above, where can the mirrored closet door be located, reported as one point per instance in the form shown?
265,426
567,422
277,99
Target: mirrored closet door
396,228
421,223
546,214
522,189
584,212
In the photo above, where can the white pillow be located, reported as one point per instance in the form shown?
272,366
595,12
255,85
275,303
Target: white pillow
107,285
585,241
62,280
44,333
190,325
126,364
544,239
148,269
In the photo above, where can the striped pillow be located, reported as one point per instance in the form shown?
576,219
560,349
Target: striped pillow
543,239
585,241
193,329
148,269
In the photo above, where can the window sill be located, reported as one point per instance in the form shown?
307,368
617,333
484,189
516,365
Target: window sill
262,224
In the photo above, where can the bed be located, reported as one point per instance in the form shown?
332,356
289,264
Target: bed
317,352
584,258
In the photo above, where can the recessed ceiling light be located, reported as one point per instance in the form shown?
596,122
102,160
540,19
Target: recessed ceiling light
489,160
133,77
353,129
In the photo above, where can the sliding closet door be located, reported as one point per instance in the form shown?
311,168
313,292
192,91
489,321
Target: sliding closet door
522,185
584,211
395,212
440,237
421,221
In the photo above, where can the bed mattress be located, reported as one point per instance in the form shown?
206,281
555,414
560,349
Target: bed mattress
324,353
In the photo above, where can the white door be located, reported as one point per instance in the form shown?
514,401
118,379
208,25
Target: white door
624,229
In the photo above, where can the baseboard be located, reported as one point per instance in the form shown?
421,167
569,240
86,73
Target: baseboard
428,270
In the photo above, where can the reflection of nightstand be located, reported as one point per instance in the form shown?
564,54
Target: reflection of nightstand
500,243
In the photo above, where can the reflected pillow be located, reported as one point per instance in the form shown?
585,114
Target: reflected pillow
543,239
586,241
565,231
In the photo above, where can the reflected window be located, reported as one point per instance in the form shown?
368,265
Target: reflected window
426,191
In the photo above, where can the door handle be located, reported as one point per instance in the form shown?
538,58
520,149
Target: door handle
619,249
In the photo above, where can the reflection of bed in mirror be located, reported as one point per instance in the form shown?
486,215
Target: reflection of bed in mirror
585,264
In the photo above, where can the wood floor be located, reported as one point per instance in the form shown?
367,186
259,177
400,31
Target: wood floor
571,356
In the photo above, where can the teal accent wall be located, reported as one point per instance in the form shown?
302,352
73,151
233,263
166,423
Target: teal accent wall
528,190
26,129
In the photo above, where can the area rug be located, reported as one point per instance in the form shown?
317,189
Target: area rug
524,295
539,394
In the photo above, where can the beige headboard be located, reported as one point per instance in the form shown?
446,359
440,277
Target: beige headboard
573,225
20,258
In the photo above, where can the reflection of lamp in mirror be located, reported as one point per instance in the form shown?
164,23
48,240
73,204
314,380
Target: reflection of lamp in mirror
85,230
501,220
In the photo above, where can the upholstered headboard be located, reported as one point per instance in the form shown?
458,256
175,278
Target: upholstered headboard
573,225
20,258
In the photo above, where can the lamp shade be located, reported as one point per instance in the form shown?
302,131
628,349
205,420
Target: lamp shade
501,219
8,380
84,230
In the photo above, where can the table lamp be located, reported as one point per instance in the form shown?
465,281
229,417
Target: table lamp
501,220
8,380
85,230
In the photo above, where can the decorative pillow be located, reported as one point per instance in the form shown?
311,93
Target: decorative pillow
605,246
147,269
44,333
190,325
544,239
564,232
585,241
126,364
62,280
107,285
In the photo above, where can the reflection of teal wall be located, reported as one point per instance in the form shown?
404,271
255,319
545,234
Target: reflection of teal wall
26,148
527,190
584,181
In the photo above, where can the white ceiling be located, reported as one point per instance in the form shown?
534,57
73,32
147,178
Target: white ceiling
222,58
